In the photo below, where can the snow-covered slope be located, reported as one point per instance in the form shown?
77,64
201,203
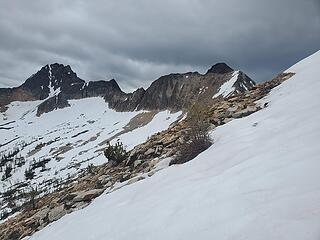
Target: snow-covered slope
259,180
59,144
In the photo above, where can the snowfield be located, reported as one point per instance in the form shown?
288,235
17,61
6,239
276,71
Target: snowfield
259,180
68,139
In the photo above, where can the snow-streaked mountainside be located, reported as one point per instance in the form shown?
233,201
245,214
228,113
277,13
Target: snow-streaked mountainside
55,125
259,180
59,144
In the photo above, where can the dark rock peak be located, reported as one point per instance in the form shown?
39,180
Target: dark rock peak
220,68
114,84
52,75
110,86
177,75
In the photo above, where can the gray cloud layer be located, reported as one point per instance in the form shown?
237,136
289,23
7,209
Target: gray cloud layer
136,41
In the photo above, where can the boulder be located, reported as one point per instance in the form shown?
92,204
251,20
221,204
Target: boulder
66,198
232,109
136,179
79,205
87,196
125,177
56,213
137,163
150,151
41,215
104,179
226,120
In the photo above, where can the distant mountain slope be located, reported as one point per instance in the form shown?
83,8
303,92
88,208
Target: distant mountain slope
177,91
55,84
259,180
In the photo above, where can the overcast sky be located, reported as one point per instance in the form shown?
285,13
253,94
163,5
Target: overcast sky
136,41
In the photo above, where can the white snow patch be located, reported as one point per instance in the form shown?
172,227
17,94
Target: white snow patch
227,88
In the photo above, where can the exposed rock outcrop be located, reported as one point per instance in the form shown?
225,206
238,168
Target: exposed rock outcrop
53,103
178,91
220,68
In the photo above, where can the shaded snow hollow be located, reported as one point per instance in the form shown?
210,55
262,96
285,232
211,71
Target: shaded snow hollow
260,180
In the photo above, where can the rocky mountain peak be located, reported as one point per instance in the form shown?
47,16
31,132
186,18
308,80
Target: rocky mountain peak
220,68
50,78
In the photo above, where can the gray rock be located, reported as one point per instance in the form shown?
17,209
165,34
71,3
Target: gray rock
232,109
136,179
78,206
56,213
41,214
87,196
150,151
108,184
226,120
104,179
137,163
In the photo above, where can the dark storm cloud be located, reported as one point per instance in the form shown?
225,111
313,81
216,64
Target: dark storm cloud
136,41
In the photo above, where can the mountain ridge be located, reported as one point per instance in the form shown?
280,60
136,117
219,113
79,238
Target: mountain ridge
57,83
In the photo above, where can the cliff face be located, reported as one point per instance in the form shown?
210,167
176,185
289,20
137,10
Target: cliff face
55,84
177,91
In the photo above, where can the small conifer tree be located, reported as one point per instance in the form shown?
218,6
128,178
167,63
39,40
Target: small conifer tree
116,153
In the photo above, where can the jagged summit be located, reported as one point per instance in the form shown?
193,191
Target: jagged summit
220,68
50,78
